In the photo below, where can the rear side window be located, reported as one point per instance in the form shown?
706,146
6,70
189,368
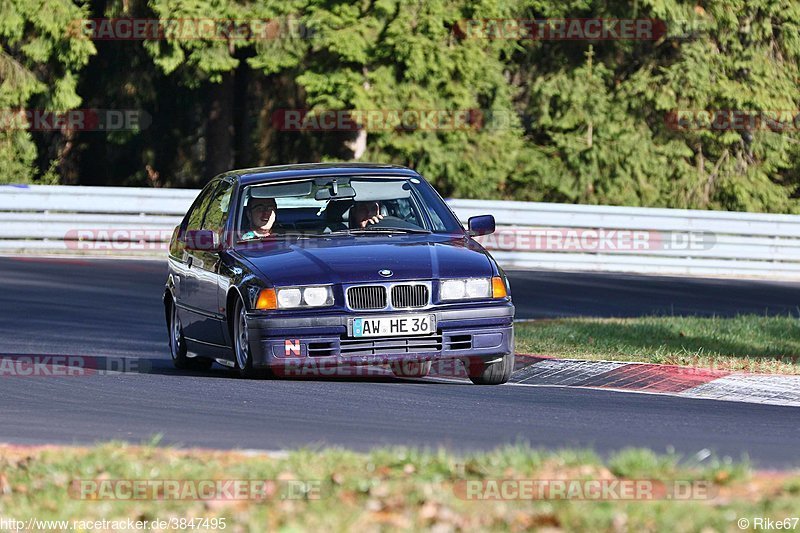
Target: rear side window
194,218
218,208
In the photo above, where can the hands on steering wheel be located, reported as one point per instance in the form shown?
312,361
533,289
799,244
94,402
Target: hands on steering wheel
370,221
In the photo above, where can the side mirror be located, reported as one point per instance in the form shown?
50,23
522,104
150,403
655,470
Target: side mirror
481,225
203,240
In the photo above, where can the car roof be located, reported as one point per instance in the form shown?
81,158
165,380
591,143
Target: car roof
310,170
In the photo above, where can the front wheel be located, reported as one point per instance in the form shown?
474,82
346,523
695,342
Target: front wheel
177,346
241,341
494,373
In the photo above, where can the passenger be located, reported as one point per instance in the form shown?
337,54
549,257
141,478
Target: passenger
261,215
364,213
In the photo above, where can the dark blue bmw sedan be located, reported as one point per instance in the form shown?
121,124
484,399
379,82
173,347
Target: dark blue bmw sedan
337,266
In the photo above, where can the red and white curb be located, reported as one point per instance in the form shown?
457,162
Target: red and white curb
658,379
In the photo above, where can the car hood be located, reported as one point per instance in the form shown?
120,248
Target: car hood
356,259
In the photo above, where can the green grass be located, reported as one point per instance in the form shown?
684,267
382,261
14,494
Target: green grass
392,489
747,342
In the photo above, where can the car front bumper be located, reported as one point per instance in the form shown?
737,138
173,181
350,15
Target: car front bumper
473,333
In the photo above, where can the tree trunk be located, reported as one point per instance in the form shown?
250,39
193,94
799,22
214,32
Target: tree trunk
219,126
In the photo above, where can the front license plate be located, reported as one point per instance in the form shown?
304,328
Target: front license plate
388,326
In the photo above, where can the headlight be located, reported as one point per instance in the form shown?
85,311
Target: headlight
289,298
316,296
453,289
472,289
477,288
465,289
297,297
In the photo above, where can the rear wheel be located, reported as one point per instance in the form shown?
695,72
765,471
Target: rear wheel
494,373
177,346
411,369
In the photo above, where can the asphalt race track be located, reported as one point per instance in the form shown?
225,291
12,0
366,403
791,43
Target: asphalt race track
540,294
112,309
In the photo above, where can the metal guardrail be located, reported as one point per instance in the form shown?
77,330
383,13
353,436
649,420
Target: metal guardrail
36,219
98,220
673,241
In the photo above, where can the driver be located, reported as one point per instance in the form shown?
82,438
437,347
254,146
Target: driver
261,215
365,213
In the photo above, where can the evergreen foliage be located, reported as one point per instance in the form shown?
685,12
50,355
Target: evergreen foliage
552,120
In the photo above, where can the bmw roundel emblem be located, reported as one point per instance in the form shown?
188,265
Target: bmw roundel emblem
386,273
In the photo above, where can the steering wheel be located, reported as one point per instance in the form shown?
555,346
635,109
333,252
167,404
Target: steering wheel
390,221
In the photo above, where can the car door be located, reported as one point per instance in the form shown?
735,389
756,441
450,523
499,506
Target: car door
192,304
205,270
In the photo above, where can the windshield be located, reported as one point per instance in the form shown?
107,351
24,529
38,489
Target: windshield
342,206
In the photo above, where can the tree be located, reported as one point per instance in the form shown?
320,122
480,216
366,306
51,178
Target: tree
601,127
40,64
588,121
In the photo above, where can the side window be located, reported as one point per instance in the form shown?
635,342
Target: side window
194,218
442,217
218,208
438,225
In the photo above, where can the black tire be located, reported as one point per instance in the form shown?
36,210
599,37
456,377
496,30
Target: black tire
243,355
177,345
411,369
497,373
